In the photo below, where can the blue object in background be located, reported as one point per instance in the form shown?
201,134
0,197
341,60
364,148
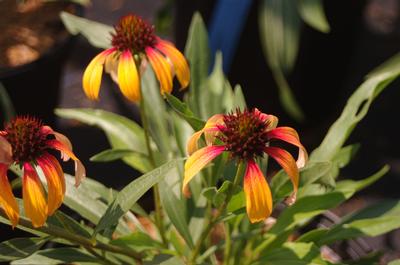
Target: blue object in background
226,26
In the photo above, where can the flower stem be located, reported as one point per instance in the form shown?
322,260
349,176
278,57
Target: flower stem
156,192
215,219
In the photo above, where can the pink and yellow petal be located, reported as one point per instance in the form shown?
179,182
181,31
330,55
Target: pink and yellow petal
210,130
178,60
55,181
161,68
33,195
290,135
92,76
258,193
287,162
80,171
7,200
5,151
198,161
128,77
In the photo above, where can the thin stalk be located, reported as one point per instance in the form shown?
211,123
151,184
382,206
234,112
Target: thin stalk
214,220
228,243
156,192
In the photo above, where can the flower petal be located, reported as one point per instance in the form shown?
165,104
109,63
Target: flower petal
178,60
5,151
80,171
111,65
286,161
258,193
128,77
199,160
92,76
290,135
55,181
7,199
34,201
161,68
210,130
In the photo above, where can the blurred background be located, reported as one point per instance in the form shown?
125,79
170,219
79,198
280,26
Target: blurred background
41,73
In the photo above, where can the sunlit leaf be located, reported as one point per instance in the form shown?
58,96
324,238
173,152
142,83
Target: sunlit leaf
130,194
279,24
197,52
312,12
122,132
18,248
57,256
98,34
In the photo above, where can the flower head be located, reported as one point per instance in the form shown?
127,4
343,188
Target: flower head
247,135
25,141
134,44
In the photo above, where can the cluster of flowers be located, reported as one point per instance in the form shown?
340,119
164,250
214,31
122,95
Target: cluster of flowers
246,135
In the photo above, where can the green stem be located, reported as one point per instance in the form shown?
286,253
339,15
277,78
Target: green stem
228,242
214,220
156,192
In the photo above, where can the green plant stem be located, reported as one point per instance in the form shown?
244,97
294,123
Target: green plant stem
228,242
156,192
214,220
83,241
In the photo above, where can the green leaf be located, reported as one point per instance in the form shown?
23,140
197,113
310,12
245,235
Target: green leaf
238,98
197,52
372,221
165,260
6,105
131,193
183,110
293,254
212,95
122,132
355,110
175,210
115,154
139,241
57,256
18,248
312,12
394,262
85,201
156,112
98,34
279,24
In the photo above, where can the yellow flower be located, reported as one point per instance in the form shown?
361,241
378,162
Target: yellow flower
246,136
134,44
25,141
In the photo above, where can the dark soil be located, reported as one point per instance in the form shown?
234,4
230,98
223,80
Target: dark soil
29,29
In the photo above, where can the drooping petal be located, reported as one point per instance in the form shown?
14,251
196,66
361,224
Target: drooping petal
210,130
161,68
258,193
178,60
287,162
128,77
92,76
5,151
55,181
290,135
198,160
7,200
80,171
61,138
111,66
33,195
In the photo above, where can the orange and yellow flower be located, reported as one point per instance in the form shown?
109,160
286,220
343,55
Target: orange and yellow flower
246,136
134,44
25,141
